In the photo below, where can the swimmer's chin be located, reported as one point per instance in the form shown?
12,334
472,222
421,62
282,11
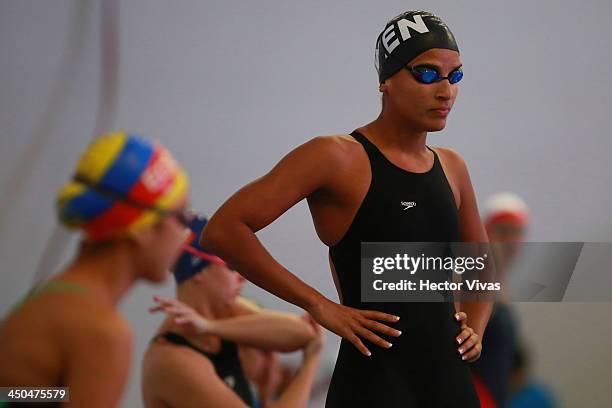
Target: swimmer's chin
437,127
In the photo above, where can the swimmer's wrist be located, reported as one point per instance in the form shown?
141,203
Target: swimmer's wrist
207,327
311,358
314,300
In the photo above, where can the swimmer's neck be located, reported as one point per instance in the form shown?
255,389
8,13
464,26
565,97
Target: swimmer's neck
192,295
388,130
108,272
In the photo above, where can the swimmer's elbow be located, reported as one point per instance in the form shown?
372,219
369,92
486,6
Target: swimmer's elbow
219,232
212,236
230,233
308,334
301,335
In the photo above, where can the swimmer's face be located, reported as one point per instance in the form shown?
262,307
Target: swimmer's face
417,103
506,232
222,284
510,234
160,246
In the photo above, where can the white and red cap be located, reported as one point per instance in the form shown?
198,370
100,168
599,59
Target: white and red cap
505,207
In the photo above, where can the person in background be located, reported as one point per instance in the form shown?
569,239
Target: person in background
525,392
506,219
128,197
193,360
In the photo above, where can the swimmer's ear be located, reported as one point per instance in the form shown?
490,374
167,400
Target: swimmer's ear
199,277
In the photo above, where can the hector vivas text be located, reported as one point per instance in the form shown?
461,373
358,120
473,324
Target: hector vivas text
422,263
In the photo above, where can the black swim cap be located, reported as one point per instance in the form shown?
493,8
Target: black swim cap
408,35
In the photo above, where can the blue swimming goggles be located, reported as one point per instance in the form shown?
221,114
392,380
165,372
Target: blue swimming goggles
426,74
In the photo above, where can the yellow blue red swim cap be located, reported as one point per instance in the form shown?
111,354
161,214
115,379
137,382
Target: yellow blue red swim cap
117,171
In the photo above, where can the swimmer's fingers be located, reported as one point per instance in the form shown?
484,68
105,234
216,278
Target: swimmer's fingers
380,328
342,320
353,338
380,316
182,320
166,308
316,327
471,347
177,311
181,314
161,303
371,337
462,318
169,304
164,301
464,335
190,320
155,309
314,346
473,354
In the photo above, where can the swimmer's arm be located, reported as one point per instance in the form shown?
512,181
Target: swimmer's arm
301,332
99,360
261,329
267,330
243,306
263,370
297,392
230,233
472,230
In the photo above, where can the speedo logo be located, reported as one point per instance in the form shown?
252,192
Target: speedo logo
408,204
389,36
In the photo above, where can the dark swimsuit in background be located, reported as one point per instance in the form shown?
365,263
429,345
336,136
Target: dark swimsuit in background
226,362
423,368
494,367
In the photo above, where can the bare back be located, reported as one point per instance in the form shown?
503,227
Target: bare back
67,339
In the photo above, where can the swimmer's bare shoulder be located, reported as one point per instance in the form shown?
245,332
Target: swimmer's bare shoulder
323,158
68,315
339,151
450,157
318,164
347,157
58,319
67,339
174,375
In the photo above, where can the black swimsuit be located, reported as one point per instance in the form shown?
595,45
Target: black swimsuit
423,368
226,362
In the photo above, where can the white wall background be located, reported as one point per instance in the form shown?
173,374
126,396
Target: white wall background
231,86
